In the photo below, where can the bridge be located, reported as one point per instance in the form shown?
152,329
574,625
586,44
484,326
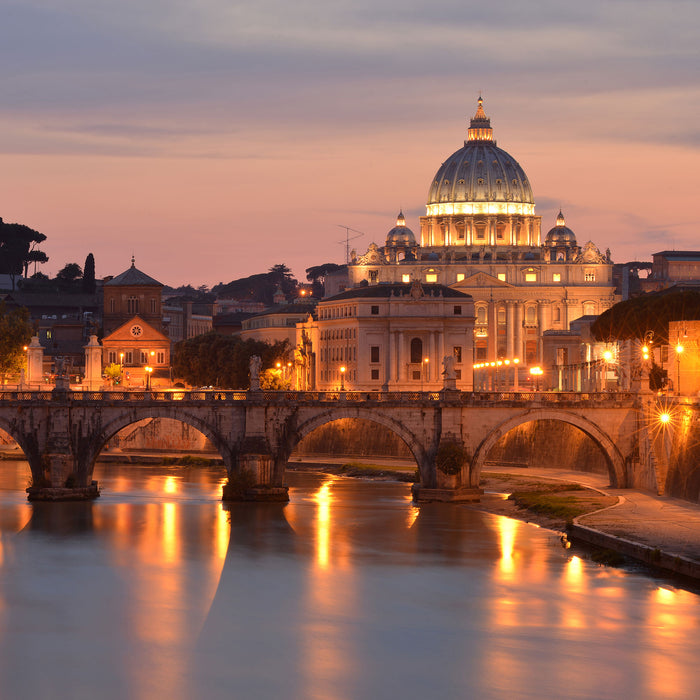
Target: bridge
449,433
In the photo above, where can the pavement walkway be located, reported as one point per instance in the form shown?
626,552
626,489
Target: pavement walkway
661,530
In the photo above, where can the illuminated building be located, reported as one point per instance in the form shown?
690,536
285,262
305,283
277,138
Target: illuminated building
480,236
134,338
392,337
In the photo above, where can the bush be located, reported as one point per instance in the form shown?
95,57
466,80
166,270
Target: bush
451,457
237,485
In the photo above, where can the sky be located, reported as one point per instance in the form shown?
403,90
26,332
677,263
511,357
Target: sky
212,139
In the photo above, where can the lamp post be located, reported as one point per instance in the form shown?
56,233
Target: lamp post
679,352
424,376
148,371
536,373
342,378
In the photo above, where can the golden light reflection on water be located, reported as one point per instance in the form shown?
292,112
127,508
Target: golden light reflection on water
413,510
506,529
669,674
329,659
323,499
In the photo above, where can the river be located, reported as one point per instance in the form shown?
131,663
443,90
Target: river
349,591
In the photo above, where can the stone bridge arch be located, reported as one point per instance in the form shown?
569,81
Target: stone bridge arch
30,451
93,444
616,462
418,448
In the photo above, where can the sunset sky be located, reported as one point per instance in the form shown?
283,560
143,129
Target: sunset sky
214,139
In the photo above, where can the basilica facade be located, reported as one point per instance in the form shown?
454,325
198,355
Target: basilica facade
481,236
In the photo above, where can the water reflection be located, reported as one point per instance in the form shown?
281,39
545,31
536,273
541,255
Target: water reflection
348,591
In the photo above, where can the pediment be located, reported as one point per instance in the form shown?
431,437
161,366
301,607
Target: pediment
480,279
147,332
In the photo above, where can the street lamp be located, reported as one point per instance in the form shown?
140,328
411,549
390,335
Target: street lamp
342,378
148,371
679,352
536,373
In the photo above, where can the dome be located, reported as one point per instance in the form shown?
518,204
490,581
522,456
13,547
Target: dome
560,234
400,235
480,178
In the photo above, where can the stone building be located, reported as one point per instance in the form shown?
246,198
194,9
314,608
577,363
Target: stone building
480,236
133,327
393,337
132,293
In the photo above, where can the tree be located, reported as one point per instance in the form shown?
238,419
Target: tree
649,312
259,287
17,243
15,333
317,276
89,285
221,360
68,276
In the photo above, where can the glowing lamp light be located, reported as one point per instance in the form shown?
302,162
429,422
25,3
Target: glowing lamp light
536,371
679,349
665,418
607,356
516,360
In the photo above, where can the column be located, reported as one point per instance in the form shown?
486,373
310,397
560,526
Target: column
510,329
518,345
35,364
492,333
543,312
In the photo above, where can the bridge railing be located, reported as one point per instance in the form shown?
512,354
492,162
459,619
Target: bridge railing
278,397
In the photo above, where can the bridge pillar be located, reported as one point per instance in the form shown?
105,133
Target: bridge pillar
254,477
450,468
55,477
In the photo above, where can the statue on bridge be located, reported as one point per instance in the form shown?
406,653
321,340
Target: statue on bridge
255,365
449,372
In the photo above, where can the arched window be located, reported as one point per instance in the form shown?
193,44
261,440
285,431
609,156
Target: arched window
416,350
530,314
132,305
481,315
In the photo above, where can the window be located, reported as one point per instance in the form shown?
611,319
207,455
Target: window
458,374
457,352
374,353
431,277
481,315
460,276
416,351
112,305
128,357
502,276
373,276
556,277
375,374
557,313
530,315
589,309
132,305
531,277
374,311
457,310
416,374
589,277
405,278
112,358
144,357
153,305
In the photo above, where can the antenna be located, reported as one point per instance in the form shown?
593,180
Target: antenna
349,238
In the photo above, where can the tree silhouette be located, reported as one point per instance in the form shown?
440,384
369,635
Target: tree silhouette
17,249
15,333
89,284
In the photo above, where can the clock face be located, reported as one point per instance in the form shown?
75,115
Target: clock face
136,330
